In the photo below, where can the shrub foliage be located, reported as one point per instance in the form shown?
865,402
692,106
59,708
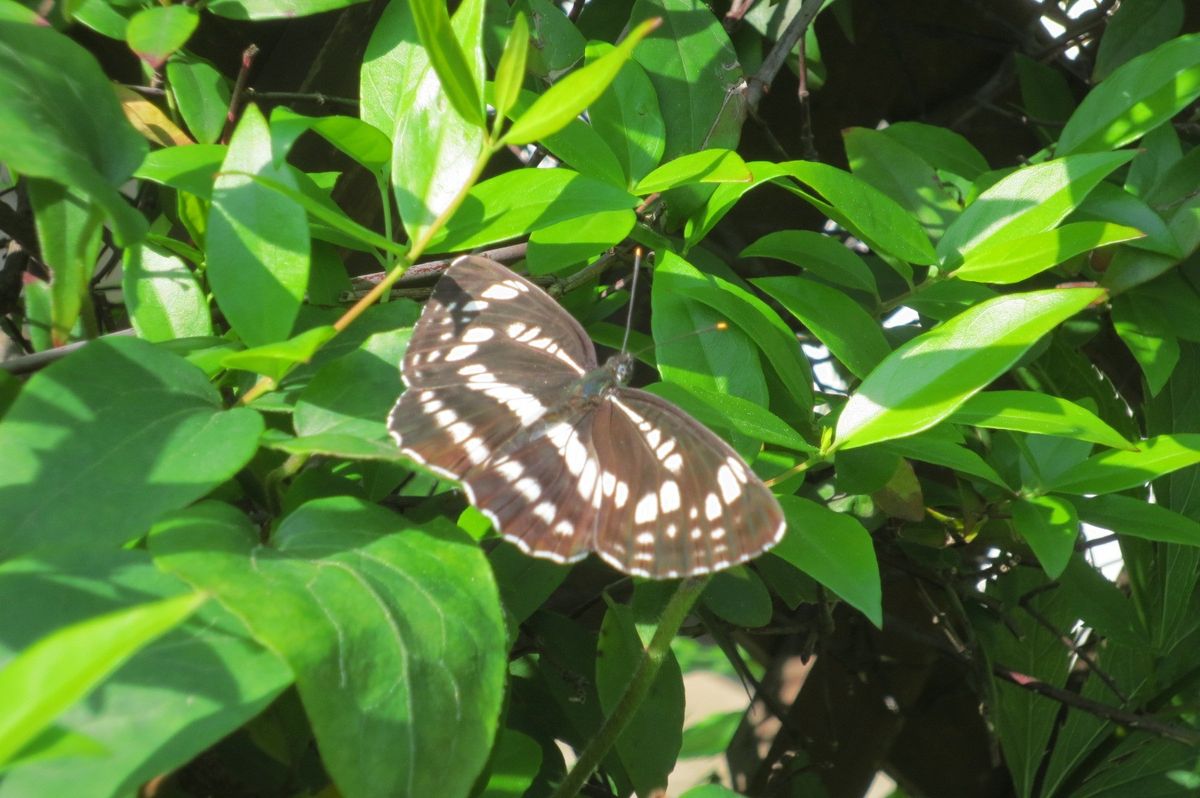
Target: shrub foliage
960,279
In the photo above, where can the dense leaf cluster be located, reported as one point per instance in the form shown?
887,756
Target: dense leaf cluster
960,374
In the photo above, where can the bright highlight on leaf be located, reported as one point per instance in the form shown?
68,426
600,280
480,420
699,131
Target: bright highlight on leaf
928,378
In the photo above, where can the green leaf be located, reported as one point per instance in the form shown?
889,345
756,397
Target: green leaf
68,228
274,9
726,364
63,667
706,166
257,240
396,61
722,199
710,791
834,549
345,447
711,736
61,121
902,174
1012,260
188,689
851,334
515,762
357,139
1117,470
1134,28
929,377
155,33
519,202
577,240
1037,413
101,443
321,209
276,359
510,72
202,95
436,143
724,411
1109,203
749,313
738,596
825,257
568,98
1136,98
1138,518
1030,650
650,743
695,72
627,118
400,655
448,59
578,145
929,449
864,210
1050,526
1032,199
163,296
192,168
942,147
353,394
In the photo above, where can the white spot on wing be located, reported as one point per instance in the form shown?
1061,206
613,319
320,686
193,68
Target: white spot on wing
647,509
622,495
564,528
645,539
545,511
712,507
461,352
477,335
474,306
728,483
674,463
460,431
472,369
668,496
515,329
446,417
529,488
499,291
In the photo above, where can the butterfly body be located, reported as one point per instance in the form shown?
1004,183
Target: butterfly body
505,395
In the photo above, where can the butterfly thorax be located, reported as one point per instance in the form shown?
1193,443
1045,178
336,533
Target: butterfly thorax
615,373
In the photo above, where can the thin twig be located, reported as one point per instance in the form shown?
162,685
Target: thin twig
304,96
239,91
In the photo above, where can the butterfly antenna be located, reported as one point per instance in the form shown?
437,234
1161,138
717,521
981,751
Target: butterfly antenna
637,263
720,326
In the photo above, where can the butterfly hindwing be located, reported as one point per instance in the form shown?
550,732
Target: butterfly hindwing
685,502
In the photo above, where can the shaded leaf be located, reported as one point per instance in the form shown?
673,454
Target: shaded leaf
401,663
834,549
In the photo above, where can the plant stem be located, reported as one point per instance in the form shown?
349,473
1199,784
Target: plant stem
639,687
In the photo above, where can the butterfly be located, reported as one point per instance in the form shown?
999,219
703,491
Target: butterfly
504,394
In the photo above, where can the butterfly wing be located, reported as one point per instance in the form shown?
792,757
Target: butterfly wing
491,354
682,501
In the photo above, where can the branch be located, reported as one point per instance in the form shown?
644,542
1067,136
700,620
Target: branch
1133,720
793,33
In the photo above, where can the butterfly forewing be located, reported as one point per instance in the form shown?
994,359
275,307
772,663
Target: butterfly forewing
497,399
489,356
